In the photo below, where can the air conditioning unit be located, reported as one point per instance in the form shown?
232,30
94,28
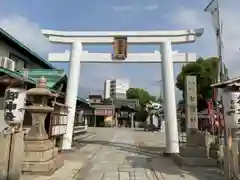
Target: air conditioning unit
7,63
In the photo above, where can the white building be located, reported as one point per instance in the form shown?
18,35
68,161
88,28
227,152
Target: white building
116,88
107,85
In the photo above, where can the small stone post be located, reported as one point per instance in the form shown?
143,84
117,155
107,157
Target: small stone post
116,119
132,120
85,123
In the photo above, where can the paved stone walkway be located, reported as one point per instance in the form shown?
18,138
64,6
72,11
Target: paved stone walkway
123,154
136,155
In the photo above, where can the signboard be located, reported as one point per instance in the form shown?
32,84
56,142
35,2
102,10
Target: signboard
211,114
120,48
103,112
231,104
14,105
59,119
123,115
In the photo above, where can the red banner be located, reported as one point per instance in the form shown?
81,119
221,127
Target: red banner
211,114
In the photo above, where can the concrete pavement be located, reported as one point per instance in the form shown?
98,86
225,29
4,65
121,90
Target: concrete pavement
123,154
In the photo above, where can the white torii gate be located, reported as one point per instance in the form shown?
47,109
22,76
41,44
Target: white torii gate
165,39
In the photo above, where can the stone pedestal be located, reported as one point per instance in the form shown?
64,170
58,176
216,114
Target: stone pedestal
41,157
196,151
40,154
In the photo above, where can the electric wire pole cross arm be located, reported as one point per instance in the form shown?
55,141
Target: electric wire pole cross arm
120,41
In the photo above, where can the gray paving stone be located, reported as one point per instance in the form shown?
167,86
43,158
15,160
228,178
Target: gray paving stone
137,176
111,175
124,176
95,175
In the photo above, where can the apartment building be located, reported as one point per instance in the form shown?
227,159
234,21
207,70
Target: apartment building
116,88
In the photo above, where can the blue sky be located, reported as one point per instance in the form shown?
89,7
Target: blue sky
24,19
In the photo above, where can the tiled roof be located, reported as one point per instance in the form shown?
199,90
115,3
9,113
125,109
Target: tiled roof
52,75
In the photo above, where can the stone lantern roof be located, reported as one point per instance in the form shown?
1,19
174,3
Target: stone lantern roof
41,89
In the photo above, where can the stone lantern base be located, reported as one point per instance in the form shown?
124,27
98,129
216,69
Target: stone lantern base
41,157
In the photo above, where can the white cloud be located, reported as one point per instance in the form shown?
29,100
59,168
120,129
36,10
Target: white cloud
192,18
27,32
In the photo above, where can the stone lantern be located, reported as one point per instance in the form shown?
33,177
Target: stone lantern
39,109
41,155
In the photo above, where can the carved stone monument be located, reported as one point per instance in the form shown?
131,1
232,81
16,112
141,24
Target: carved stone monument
191,109
41,156
196,150
191,104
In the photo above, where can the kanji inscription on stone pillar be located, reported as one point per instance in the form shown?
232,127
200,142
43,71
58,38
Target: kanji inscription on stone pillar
191,104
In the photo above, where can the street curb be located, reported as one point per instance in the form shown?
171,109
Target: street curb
85,137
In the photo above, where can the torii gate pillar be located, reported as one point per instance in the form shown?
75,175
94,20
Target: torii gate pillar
72,91
170,116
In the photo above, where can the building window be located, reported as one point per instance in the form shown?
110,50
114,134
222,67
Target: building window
19,62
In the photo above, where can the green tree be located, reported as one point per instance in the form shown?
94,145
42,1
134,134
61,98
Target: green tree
159,100
141,95
206,72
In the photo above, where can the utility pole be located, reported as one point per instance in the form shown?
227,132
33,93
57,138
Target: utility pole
161,89
113,110
159,83
214,9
